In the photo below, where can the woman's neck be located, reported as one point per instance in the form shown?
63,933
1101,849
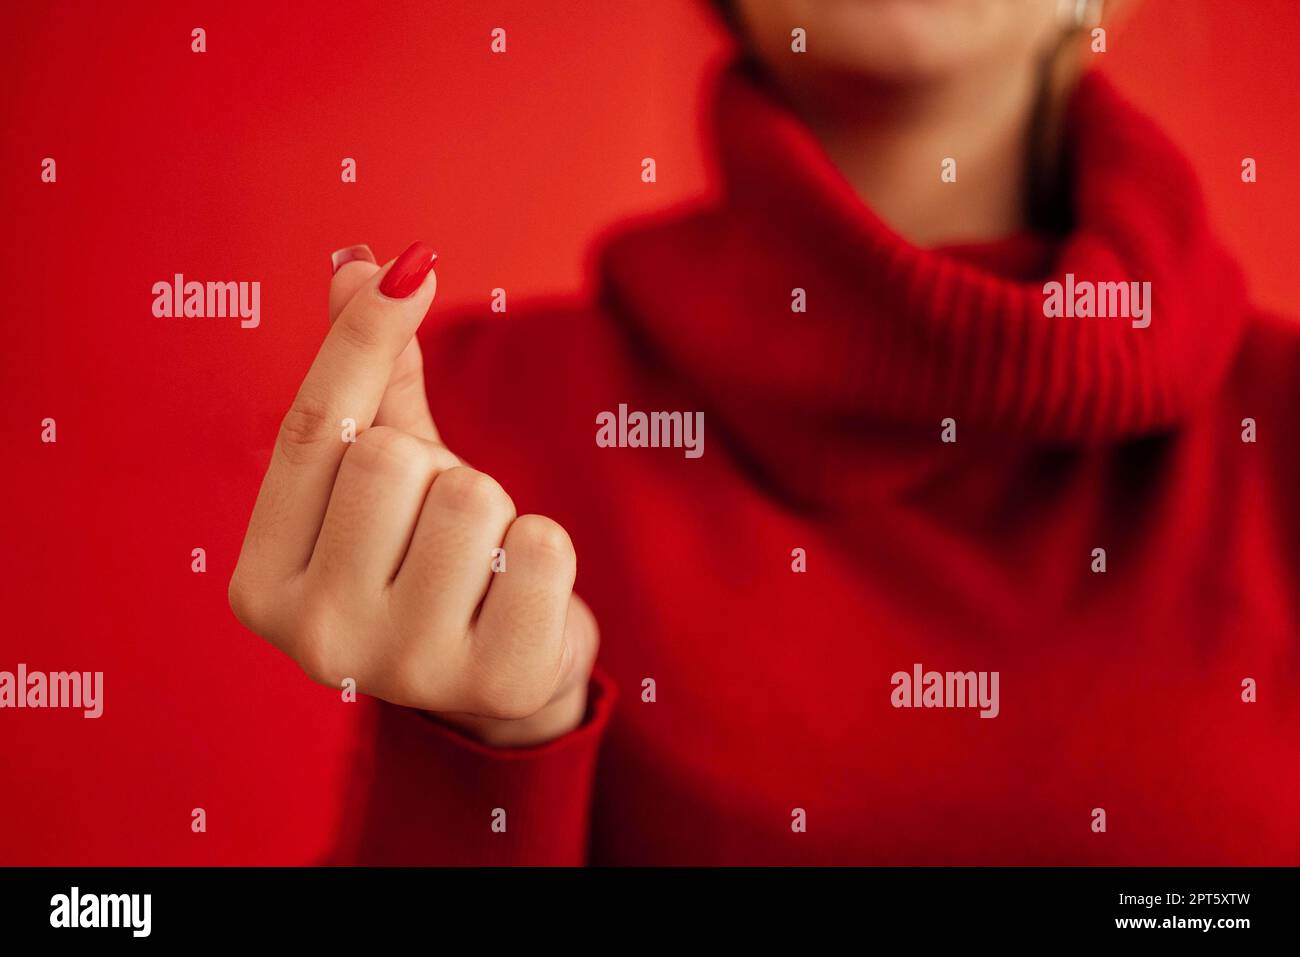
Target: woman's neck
891,143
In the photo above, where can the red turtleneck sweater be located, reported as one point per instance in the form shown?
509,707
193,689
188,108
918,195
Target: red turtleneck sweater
1119,690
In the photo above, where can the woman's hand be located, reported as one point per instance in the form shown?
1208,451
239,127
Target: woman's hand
373,559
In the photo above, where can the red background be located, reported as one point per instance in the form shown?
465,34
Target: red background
225,166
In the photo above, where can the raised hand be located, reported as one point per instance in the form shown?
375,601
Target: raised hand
371,550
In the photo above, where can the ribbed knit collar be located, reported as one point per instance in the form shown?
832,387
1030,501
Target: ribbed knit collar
899,336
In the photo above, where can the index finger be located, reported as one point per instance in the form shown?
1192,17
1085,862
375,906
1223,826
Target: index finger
337,399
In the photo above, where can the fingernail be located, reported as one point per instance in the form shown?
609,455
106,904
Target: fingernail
350,253
408,272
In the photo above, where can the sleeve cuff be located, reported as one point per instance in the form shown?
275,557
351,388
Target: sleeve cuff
437,797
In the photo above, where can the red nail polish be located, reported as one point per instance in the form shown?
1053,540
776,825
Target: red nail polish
350,254
408,272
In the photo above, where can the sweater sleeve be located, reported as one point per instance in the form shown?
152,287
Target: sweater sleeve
427,795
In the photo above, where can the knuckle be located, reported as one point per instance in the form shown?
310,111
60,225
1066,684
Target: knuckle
243,601
412,682
313,651
468,490
543,541
444,459
382,448
305,426
317,667
506,698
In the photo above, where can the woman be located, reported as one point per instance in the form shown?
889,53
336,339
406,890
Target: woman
973,542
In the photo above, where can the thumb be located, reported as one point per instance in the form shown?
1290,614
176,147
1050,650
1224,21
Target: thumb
352,266
404,405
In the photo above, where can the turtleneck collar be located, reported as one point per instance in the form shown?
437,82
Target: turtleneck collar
900,336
